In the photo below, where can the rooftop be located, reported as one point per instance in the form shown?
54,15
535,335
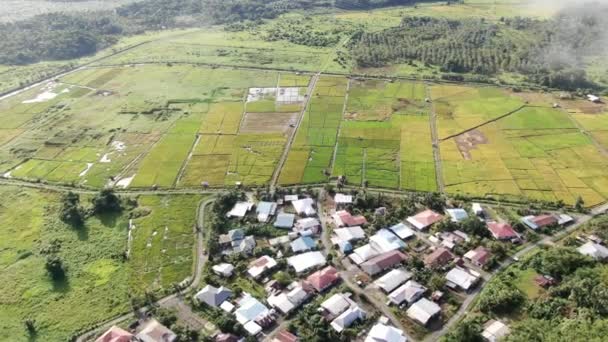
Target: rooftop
423,310
424,219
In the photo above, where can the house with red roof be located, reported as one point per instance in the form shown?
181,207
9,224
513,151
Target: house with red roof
424,219
502,231
478,256
382,262
343,218
439,257
116,334
323,279
540,221
285,336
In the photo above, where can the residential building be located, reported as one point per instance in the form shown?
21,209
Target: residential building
336,304
408,292
382,262
213,296
502,231
250,309
223,269
245,246
458,278
342,199
265,210
544,281
478,256
385,333
116,334
439,258
227,338
280,240
347,318
305,261
240,209
303,244
457,214
423,311
402,231
393,279
285,220
304,207
285,336
385,241
594,98
495,331
363,253
323,279
540,221
291,198
425,219
478,210
348,234
153,331
261,265
343,218
594,250
308,225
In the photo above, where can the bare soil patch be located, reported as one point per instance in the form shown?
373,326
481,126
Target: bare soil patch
268,122
468,141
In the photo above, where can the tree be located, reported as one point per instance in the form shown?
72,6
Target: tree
559,261
580,204
55,268
500,297
71,212
105,202
30,326
282,278
468,330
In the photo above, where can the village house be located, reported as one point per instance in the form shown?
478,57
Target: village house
261,265
423,311
284,220
228,338
457,214
382,262
594,250
540,221
153,331
544,281
223,270
305,261
502,231
342,200
494,331
385,241
439,258
348,234
252,314
478,210
240,209
213,296
341,311
363,253
307,226
323,279
385,333
304,207
402,231
478,256
288,301
344,219
393,279
116,334
265,210
458,278
425,219
285,336
303,244
409,292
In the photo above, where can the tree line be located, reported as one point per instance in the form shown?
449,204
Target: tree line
549,52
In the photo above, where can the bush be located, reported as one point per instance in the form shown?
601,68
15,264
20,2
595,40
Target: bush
500,297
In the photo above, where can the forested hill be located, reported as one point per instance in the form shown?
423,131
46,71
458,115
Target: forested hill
66,36
549,52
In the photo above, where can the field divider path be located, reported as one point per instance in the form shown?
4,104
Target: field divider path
175,300
182,169
344,107
488,122
582,129
435,141
292,136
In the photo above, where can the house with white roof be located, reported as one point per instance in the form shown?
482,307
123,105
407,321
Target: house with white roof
423,311
594,250
457,214
408,292
265,210
304,206
305,261
402,231
281,303
348,234
393,279
347,318
291,198
309,224
460,278
385,333
213,296
478,210
223,269
342,199
240,209
494,331
250,309
285,220
385,241
363,253
337,304
261,265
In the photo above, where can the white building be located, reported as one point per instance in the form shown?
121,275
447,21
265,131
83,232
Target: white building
423,311
306,261
393,279
385,333
459,278
240,209
408,292
594,250
304,206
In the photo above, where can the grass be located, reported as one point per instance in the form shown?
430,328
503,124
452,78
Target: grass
96,286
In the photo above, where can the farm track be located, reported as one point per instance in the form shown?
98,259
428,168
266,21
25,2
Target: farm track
175,300
344,107
292,136
487,122
435,142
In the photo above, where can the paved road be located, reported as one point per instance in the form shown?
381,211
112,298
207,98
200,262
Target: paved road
545,241
175,300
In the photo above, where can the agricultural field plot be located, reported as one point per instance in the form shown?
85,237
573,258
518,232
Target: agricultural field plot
162,246
215,46
385,140
310,157
536,153
96,286
459,108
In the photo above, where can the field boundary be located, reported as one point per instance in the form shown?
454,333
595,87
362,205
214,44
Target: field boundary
488,122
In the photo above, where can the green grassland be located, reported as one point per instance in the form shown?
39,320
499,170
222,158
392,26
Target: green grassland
99,280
